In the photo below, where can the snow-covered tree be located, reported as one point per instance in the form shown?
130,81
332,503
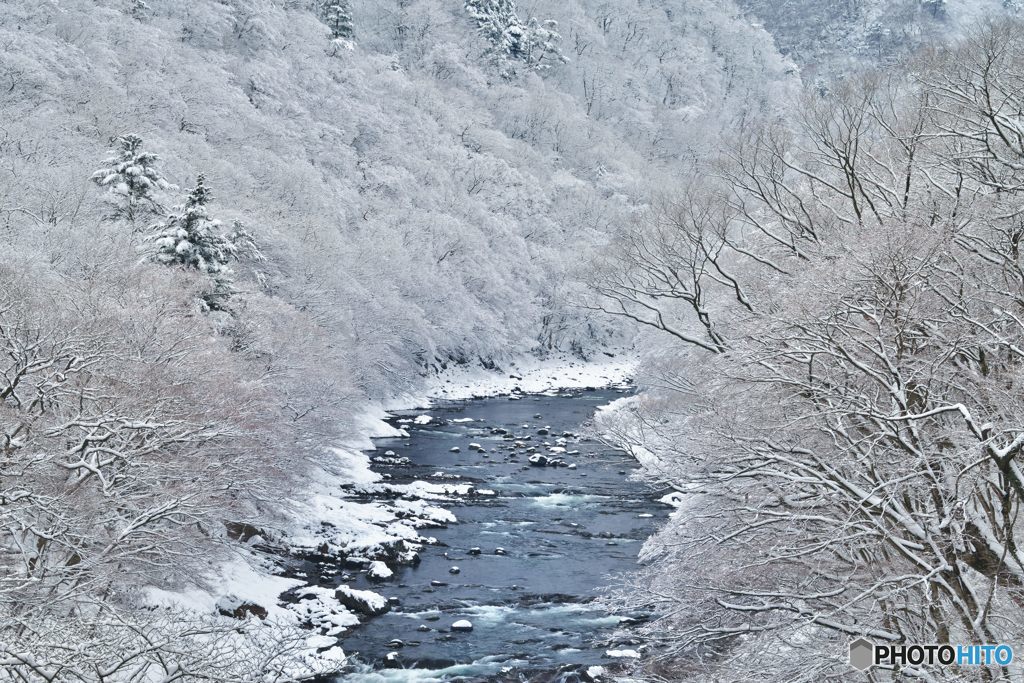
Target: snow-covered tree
139,9
533,43
132,179
850,464
189,238
337,15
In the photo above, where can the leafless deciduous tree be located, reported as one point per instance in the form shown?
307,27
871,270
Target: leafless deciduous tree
850,455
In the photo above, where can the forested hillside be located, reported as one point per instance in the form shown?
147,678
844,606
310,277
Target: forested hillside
830,38
230,226
833,385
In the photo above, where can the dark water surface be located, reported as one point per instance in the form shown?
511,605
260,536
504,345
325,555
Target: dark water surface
567,533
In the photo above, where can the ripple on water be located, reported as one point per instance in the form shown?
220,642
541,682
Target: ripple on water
486,667
552,500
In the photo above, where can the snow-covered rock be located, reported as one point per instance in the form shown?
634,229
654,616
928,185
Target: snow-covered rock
364,602
378,571
462,625
319,607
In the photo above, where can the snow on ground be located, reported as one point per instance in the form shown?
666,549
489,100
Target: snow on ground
327,522
318,607
239,581
530,376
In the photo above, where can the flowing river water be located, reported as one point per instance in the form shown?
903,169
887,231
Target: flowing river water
531,558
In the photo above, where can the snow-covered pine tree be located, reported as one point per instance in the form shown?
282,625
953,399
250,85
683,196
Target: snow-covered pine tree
139,9
493,19
132,179
189,238
534,43
337,15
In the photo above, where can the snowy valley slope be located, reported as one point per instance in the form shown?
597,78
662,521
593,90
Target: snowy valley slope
373,207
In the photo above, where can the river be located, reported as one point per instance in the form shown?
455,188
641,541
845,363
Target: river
531,557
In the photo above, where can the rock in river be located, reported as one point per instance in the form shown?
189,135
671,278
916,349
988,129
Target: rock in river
378,571
462,625
363,602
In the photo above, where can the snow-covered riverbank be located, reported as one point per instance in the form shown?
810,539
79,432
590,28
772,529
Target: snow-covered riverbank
337,522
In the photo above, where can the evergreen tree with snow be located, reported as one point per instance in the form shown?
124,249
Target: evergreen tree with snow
139,9
534,43
132,179
190,239
337,15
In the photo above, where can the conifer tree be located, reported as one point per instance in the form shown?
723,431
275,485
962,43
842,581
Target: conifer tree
132,179
337,15
190,239
534,43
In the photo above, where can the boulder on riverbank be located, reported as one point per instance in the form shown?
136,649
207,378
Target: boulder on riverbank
363,602
230,606
378,571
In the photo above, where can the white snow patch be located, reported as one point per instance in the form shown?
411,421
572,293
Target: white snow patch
375,601
354,467
675,499
379,570
238,579
368,425
530,376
